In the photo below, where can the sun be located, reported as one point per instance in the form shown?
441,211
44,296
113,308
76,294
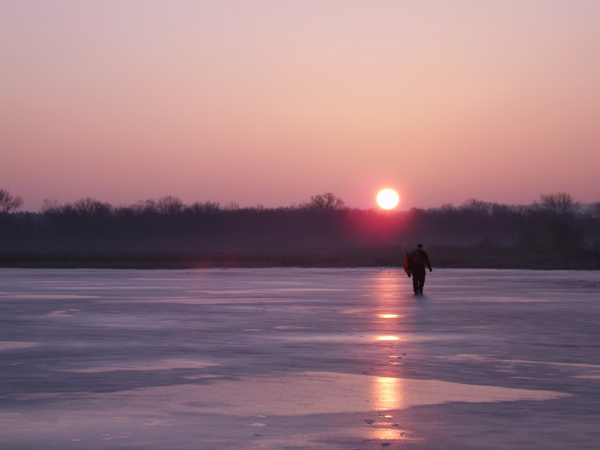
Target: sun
388,199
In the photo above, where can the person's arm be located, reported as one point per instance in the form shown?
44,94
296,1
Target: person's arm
427,262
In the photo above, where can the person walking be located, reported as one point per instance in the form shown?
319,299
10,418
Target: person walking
417,261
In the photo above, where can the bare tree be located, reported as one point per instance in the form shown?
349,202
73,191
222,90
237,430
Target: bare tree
592,216
205,208
558,215
9,203
232,206
560,205
476,206
89,207
169,205
593,211
447,208
145,207
326,203
49,206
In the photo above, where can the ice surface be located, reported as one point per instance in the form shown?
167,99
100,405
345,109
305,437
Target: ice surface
9,345
298,358
306,393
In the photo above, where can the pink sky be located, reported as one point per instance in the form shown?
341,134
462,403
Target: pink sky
270,102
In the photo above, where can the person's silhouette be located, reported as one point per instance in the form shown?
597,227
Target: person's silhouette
417,261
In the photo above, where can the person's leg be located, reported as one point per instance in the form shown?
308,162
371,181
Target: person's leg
415,278
421,283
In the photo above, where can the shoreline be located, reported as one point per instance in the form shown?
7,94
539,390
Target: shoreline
454,259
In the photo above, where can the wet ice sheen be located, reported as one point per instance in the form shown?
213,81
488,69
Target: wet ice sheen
164,364
9,345
319,393
197,359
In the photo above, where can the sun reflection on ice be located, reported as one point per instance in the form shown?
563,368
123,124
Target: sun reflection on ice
388,394
387,433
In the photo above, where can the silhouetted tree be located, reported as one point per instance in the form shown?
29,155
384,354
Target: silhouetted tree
593,211
592,224
169,205
9,203
145,207
91,208
558,206
556,217
326,203
556,223
447,208
476,206
232,206
205,208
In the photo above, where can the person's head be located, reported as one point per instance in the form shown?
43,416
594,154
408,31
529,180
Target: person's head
420,246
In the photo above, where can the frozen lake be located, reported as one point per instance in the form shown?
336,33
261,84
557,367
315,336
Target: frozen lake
299,359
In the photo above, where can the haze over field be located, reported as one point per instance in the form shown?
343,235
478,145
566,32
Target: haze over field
271,102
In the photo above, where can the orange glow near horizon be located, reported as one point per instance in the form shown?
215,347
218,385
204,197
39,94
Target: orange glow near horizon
272,104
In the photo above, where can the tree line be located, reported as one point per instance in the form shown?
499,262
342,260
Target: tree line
555,223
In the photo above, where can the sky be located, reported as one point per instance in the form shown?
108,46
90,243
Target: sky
270,102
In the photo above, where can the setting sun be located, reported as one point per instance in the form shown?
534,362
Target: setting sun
388,199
